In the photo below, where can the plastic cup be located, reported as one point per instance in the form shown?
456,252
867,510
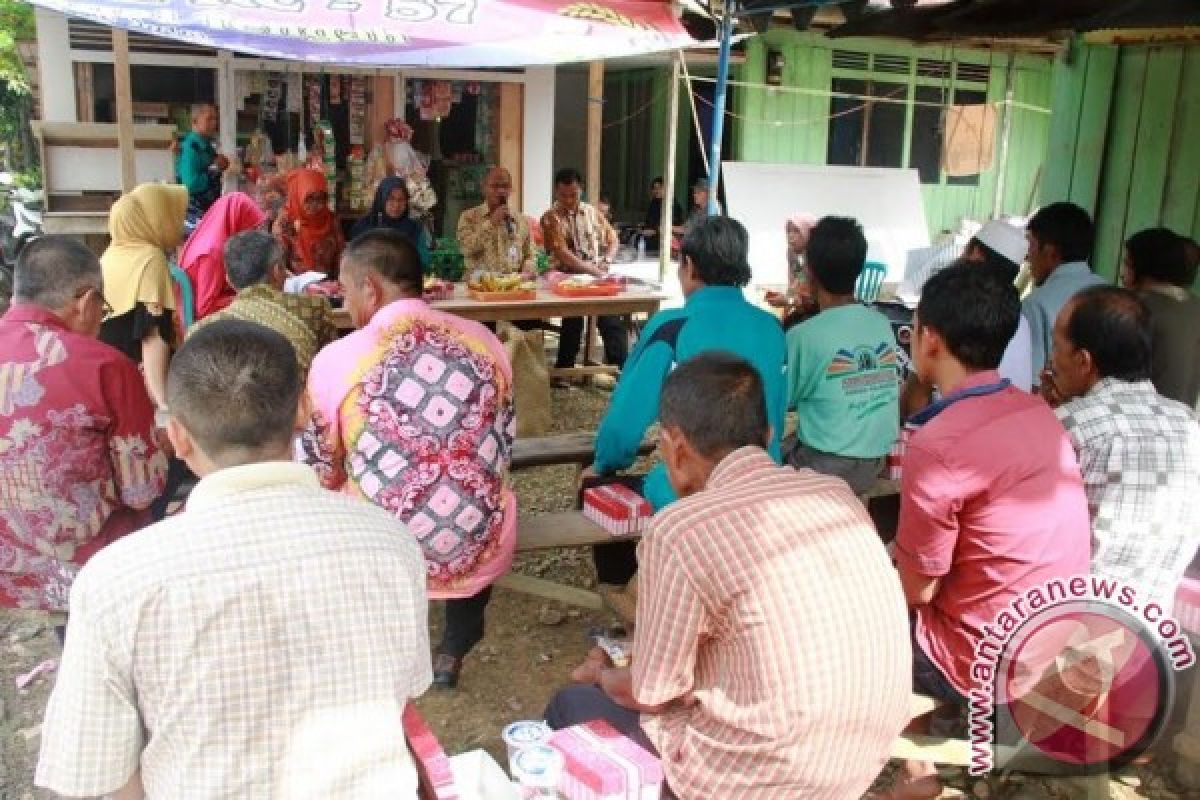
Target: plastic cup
537,769
522,734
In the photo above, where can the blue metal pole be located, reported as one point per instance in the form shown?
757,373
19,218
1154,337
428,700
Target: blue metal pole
718,123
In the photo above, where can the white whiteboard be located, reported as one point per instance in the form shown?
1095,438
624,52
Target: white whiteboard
887,202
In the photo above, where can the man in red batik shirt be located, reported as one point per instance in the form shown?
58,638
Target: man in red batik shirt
79,462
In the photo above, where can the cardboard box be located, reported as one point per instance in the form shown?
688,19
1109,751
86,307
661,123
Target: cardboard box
479,777
618,509
603,764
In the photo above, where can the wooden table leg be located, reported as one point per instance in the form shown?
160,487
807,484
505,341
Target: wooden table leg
588,333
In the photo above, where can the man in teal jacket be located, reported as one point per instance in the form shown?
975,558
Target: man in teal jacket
716,316
200,165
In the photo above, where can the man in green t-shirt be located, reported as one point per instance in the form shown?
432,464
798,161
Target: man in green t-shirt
842,366
200,165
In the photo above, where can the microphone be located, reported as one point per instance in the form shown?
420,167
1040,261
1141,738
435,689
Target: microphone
510,226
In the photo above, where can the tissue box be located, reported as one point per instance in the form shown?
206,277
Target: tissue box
602,764
618,509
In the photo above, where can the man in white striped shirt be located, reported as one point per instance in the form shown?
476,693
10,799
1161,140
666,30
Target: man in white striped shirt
263,643
771,657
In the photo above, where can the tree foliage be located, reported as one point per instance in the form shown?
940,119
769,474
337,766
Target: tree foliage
16,100
16,25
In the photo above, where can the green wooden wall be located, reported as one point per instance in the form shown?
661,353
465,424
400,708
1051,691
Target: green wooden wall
784,127
793,128
1125,141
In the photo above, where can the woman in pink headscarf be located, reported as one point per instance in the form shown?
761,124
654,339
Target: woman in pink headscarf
203,257
798,303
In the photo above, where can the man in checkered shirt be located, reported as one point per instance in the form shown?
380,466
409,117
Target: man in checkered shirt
1139,452
264,642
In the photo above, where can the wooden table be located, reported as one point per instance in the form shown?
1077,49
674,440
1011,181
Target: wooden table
547,305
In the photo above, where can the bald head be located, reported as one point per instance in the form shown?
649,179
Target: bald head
497,186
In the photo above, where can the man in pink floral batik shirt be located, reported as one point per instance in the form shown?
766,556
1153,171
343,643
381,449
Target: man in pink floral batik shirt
414,412
79,462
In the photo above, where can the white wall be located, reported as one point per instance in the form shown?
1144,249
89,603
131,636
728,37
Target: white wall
55,72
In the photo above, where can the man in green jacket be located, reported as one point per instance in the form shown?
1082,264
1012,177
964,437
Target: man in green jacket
715,316
200,165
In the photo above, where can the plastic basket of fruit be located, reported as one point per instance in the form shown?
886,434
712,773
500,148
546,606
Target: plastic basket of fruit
490,287
586,286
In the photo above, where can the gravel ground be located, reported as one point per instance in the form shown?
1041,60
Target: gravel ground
530,648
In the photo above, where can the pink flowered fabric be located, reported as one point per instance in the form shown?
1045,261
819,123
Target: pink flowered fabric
78,460
415,414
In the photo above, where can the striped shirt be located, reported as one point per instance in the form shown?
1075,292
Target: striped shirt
263,643
769,599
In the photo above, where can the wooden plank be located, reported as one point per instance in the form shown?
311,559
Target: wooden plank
546,306
1124,120
595,128
120,40
583,372
546,531
939,750
1182,198
565,448
551,591
1148,182
85,92
1069,76
512,122
1092,131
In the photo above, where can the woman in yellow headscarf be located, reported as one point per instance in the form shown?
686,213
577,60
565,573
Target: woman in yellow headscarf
146,226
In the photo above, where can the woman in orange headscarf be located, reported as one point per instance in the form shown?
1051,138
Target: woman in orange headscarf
309,229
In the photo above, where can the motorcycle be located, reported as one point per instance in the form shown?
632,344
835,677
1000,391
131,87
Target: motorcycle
22,222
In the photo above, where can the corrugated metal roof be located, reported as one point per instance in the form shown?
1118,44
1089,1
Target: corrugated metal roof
1009,18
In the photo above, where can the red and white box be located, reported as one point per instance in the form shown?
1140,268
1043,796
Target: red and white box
618,509
603,764
1187,605
435,773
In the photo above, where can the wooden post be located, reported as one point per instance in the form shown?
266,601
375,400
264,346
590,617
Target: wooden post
1005,136
125,143
668,203
512,122
595,128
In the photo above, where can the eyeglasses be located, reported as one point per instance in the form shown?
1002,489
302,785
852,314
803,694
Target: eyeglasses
104,304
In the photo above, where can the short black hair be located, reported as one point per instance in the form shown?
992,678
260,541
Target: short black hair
390,255
974,310
1159,254
567,176
249,256
657,181
718,402
235,386
1066,226
1114,326
837,251
52,268
993,260
718,247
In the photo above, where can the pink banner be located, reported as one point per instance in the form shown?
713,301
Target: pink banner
430,33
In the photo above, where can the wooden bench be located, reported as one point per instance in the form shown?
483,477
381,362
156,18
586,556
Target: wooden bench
551,530
563,448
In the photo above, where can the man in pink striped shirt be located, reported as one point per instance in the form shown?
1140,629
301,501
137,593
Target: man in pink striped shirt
771,656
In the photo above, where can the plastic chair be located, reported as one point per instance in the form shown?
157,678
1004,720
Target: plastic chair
870,282
188,310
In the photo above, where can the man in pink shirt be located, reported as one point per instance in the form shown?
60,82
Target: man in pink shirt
992,503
